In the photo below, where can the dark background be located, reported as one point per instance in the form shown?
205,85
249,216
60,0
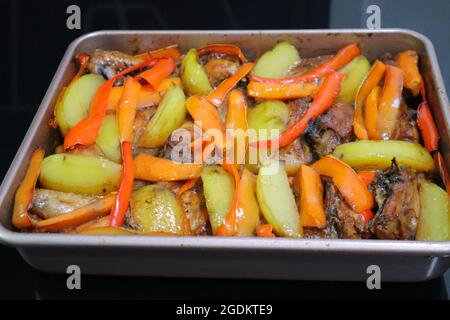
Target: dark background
34,40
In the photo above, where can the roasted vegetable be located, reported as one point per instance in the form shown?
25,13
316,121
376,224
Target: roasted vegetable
310,195
108,138
147,167
193,75
350,185
77,217
276,62
277,201
408,62
76,100
434,214
79,174
379,154
268,119
170,115
155,209
355,72
24,193
218,187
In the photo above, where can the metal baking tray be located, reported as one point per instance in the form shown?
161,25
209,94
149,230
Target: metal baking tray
277,258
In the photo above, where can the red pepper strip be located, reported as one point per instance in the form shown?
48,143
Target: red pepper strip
445,175
367,215
85,132
340,59
126,111
222,48
427,127
328,91
162,69
217,96
126,186
367,176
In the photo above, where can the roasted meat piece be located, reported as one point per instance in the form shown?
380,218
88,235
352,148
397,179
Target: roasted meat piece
109,63
49,203
331,129
397,195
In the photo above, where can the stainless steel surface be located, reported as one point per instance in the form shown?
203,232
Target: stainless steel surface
229,257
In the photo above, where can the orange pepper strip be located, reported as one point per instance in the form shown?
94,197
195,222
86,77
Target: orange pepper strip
151,168
79,216
85,132
371,113
265,231
217,96
187,185
310,198
162,69
126,115
147,96
350,185
125,188
340,59
24,193
264,90
408,62
427,127
367,176
236,121
172,51
222,48
244,213
389,107
371,81
127,108
116,231
95,223
203,112
328,91
445,175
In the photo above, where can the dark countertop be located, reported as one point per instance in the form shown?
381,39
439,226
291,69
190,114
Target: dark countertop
36,41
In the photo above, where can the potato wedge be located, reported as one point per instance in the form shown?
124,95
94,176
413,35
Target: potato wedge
267,116
355,72
108,138
193,75
277,201
76,100
169,116
371,154
275,63
79,174
434,215
218,187
156,209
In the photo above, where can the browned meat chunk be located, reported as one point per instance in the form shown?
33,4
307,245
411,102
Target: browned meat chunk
331,129
109,63
407,126
341,219
397,196
195,209
220,69
49,203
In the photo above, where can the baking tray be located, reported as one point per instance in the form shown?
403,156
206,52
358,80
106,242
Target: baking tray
278,258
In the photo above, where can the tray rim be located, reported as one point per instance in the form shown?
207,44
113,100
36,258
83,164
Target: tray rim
369,246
